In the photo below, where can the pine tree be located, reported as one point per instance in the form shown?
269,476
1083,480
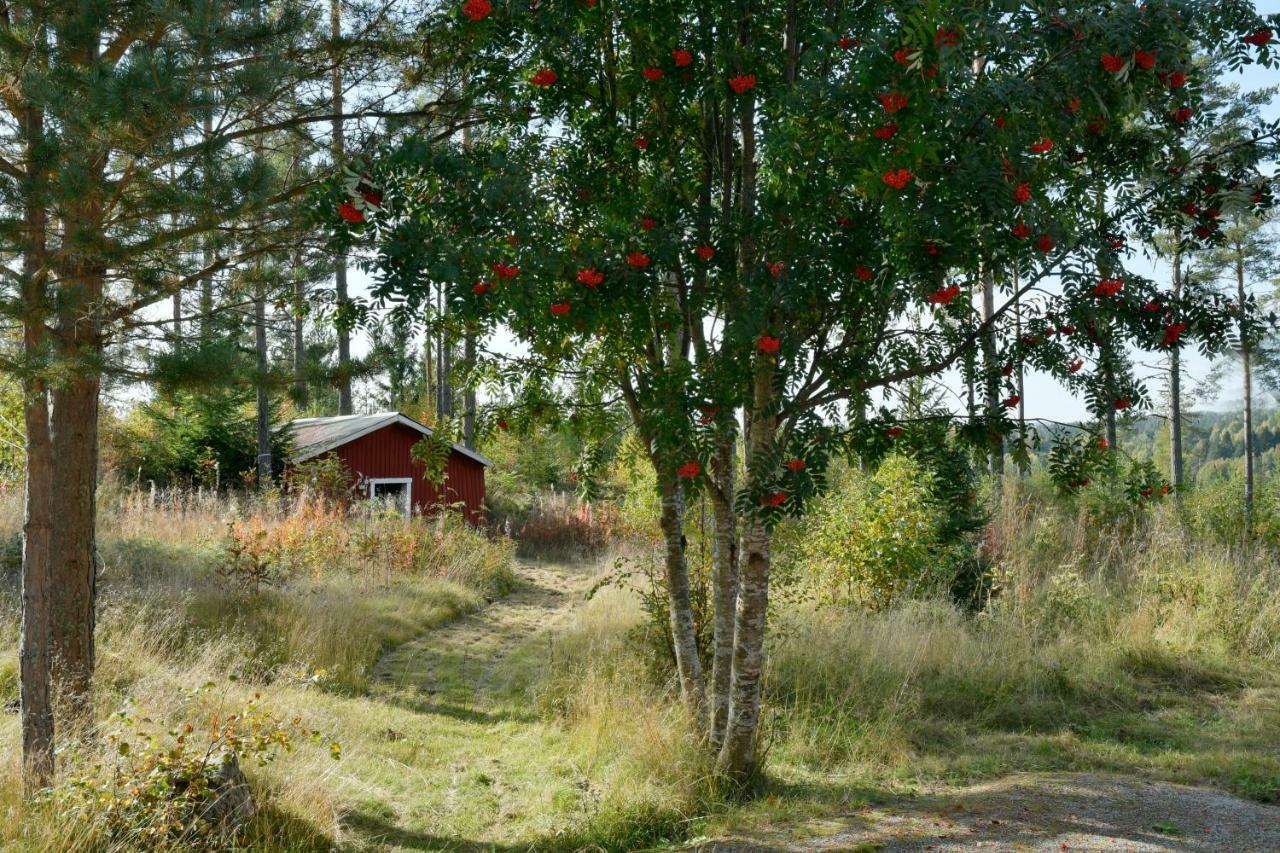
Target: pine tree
126,158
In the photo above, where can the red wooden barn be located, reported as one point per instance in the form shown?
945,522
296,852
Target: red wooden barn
376,449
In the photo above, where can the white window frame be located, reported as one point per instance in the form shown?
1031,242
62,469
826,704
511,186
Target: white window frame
407,507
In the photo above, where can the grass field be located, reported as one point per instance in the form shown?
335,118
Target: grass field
504,710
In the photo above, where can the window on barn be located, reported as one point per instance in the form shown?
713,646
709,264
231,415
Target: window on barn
397,492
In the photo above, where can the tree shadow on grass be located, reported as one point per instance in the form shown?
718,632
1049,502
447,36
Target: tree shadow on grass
420,704
380,831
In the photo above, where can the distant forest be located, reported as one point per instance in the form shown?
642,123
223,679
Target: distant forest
1212,442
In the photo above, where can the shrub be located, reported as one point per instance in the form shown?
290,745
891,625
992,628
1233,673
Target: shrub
153,790
873,540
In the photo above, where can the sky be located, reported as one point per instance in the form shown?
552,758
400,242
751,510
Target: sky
1044,397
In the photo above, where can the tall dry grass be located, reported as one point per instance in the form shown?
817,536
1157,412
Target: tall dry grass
1120,643
172,618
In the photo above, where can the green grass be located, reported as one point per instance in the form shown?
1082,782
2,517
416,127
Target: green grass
503,733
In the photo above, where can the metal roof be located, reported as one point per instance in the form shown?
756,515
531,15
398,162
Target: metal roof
313,436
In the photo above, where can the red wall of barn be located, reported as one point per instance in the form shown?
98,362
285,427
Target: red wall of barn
385,453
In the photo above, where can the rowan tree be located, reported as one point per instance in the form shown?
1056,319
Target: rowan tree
758,220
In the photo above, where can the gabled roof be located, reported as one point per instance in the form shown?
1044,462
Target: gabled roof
313,436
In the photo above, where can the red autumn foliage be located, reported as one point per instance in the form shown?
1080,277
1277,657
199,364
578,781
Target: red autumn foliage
898,180
1108,287
477,10
689,470
892,102
350,213
1173,332
544,77
944,295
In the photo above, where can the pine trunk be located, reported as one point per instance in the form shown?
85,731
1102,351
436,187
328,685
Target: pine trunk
299,342
725,556
263,401
73,558
35,671
684,639
345,406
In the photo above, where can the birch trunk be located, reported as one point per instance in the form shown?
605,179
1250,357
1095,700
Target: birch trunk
1246,363
1175,387
684,639
726,588
991,368
737,756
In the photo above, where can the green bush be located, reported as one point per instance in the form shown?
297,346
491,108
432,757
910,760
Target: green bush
876,539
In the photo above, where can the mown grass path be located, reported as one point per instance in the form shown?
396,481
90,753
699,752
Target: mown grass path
451,752
463,661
